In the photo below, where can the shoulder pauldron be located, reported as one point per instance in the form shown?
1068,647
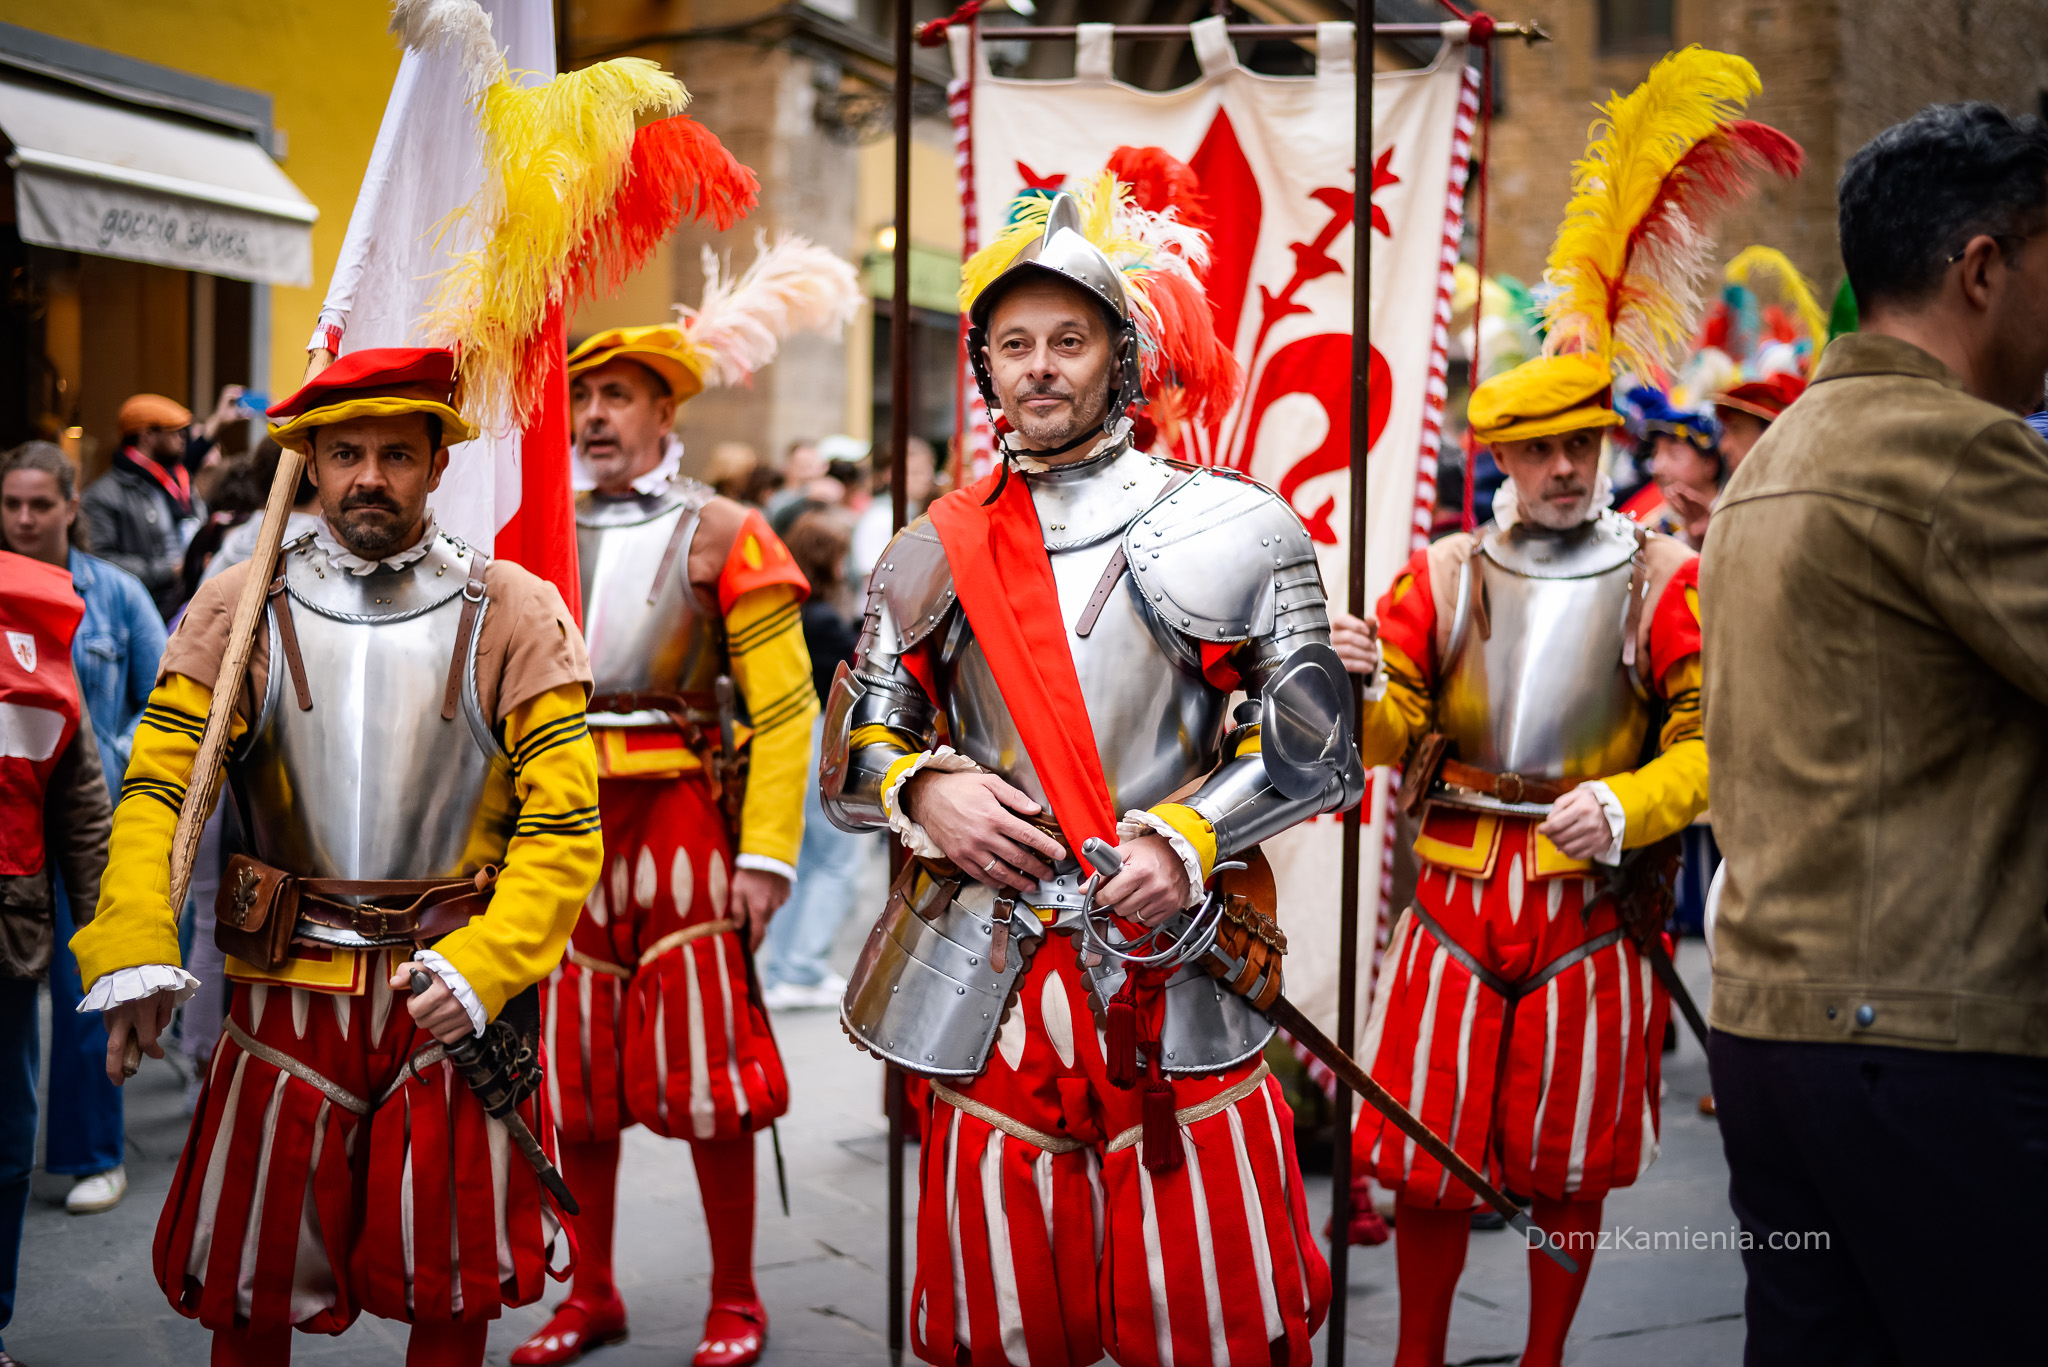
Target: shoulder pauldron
913,578
1207,556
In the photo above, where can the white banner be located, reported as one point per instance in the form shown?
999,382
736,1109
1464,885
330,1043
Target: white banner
1276,156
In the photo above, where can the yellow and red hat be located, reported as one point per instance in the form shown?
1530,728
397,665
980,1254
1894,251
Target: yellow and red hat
377,382
1767,398
1543,397
663,348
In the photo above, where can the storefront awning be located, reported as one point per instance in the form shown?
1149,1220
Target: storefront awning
97,177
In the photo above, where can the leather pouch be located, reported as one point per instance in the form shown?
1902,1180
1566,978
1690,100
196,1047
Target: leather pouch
1250,933
256,912
1418,776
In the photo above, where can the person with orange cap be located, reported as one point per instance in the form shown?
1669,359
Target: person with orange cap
143,511
1747,411
410,760
702,716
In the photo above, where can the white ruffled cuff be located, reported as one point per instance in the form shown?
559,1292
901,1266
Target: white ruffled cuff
456,983
1617,822
1136,823
946,760
1376,684
125,985
761,863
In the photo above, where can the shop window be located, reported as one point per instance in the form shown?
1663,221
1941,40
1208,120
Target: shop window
1628,25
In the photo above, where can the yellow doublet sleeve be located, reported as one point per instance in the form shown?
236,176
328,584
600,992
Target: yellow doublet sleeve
1391,725
556,851
1663,796
772,670
135,924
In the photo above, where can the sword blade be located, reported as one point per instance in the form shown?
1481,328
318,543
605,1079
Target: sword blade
1288,1017
515,1125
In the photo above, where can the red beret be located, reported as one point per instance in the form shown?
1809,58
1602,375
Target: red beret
374,382
1766,398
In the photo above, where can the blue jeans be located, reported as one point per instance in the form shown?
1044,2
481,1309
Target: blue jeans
801,935
85,1133
20,1043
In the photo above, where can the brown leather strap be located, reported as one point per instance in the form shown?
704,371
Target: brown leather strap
438,905
674,705
288,641
1506,787
692,504
472,601
1111,572
1638,586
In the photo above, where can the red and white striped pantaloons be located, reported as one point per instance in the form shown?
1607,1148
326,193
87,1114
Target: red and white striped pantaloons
1042,1240
1570,1112
647,1019
321,1178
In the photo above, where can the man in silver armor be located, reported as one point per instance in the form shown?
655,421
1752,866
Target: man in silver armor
691,609
411,763
1542,680
1074,627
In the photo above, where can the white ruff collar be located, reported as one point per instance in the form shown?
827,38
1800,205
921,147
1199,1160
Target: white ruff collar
653,482
342,558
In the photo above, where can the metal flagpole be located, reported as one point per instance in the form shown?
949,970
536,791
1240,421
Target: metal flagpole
899,509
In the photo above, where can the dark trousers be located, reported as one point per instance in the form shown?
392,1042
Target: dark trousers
1906,1194
20,1046
85,1126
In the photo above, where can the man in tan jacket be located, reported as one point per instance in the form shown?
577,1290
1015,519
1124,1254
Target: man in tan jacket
1875,598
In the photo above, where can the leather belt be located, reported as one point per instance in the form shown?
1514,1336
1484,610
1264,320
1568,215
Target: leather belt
680,709
437,905
1201,1110
1505,787
327,1086
995,1119
1516,990
684,936
591,964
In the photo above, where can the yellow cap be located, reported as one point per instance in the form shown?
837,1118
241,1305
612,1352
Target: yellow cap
662,348
1541,398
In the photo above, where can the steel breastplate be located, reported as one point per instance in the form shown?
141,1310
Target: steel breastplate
372,783
1544,692
645,637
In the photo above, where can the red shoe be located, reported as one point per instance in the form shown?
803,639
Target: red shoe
578,1326
734,1333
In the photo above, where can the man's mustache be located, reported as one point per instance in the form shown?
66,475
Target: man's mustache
1045,391
1570,488
356,501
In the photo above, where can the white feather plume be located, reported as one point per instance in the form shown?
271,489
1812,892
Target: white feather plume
457,28
794,285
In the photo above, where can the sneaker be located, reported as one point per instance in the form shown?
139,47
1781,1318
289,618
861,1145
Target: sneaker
819,996
101,1191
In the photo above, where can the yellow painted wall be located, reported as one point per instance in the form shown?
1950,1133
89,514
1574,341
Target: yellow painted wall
328,70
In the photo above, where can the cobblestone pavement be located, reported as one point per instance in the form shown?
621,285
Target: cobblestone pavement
87,1296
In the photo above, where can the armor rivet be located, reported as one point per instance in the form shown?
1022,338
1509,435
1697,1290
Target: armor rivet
1265,541
972,961
1184,621
927,1058
895,989
985,930
1169,1053
958,992
441,571
1865,1014
984,1015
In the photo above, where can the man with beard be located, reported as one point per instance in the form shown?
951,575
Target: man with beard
655,1016
411,763
1524,666
1082,618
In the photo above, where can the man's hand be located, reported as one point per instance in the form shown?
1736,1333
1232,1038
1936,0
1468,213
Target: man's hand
1578,825
435,1010
756,896
968,816
317,360
1152,886
145,1019
1357,642
1695,508
226,411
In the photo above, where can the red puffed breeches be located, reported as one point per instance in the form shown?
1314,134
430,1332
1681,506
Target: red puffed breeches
1568,1109
322,1177
1044,1240
647,1019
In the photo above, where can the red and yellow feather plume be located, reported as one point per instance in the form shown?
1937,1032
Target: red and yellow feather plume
1624,275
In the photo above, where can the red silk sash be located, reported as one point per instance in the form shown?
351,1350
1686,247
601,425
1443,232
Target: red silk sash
1003,578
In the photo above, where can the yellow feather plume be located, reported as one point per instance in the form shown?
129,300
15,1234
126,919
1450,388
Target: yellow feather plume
1100,200
554,157
1628,297
1755,267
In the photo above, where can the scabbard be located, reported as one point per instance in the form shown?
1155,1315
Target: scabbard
515,1125
1667,973
1305,1032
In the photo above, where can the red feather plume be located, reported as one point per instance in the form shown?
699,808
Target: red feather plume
678,168
1160,181
1189,355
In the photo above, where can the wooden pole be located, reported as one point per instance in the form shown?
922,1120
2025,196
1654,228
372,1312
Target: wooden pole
234,668
899,509
1347,925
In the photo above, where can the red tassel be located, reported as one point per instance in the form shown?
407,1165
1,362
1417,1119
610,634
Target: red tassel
1120,1038
1161,1137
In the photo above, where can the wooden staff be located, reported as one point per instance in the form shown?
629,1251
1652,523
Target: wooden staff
234,668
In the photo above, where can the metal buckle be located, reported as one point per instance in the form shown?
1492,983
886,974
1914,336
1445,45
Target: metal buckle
1510,788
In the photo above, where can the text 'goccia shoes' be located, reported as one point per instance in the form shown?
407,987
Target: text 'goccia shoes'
99,1192
734,1333
578,1326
